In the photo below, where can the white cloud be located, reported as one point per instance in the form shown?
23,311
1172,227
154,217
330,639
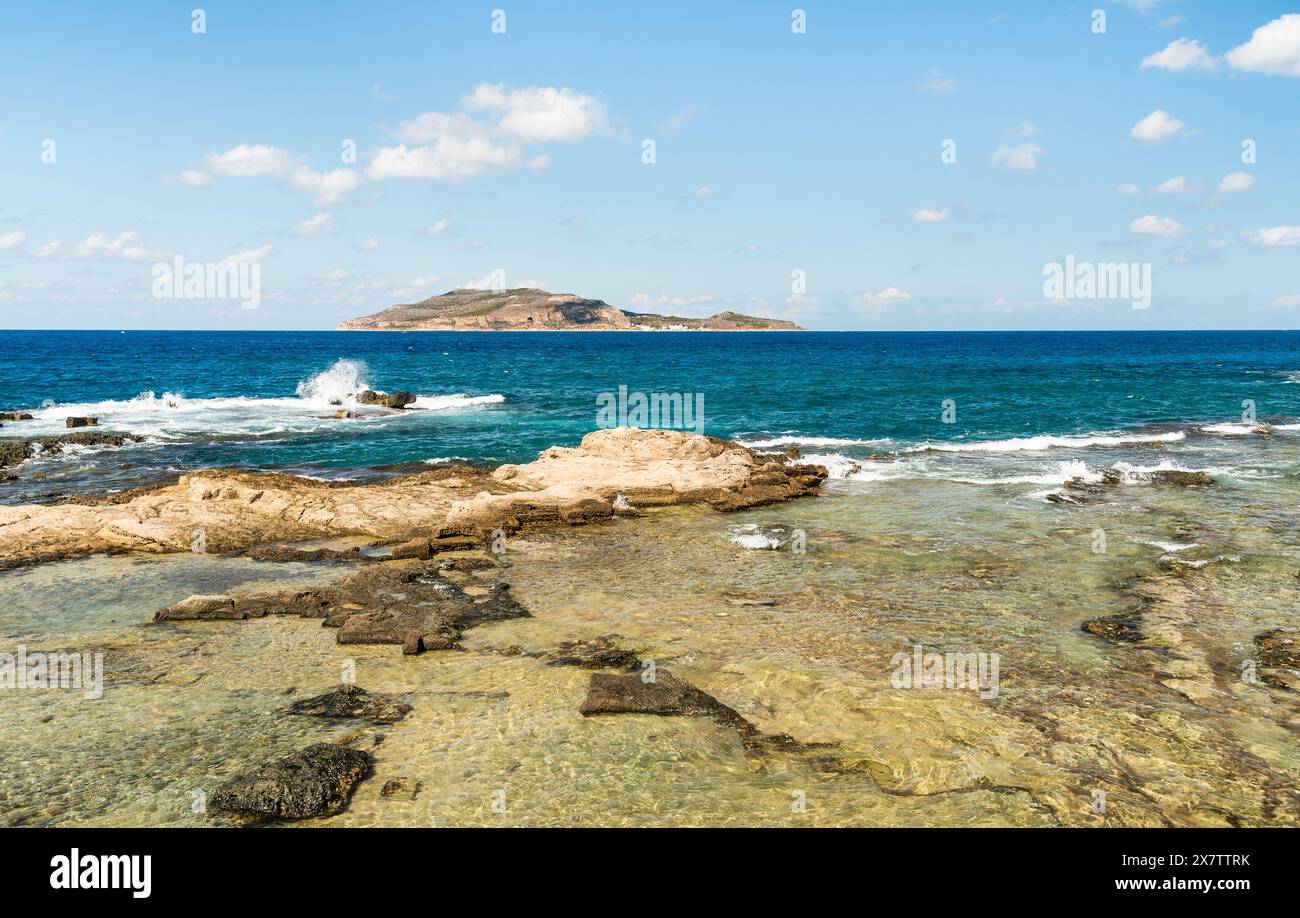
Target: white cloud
1156,126
1128,190
125,246
196,178
705,192
1273,48
248,160
538,113
314,226
1024,157
12,240
1291,299
648,303
1273,236
939,84
250,257
878,302
1026,129
325,187
1237,181
1176,185
1151,225
450,148
437,228
675,123
930,215
1183,54
538,162
368,245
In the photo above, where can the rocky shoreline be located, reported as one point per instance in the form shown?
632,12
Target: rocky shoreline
611,472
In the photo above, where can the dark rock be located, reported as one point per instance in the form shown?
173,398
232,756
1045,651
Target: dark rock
16,451
1124,627
1180,478
316,781
82,422
384,399
404,786
222,607
352,701
600,653
419,549
290,553
668,696
14,416
1277,648
466,565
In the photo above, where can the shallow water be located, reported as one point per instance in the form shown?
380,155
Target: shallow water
1167,729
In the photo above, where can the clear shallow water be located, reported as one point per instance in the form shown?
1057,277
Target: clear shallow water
947,541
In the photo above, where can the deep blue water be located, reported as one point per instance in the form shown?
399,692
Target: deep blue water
856,385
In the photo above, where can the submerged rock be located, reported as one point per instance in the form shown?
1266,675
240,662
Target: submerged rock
316,781
384,399
223,607
599,653
1277,648
352,701
1123,627
668,696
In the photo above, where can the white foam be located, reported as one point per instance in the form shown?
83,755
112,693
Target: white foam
792,440
751,536
338,385
459,400
1045,442
1230,430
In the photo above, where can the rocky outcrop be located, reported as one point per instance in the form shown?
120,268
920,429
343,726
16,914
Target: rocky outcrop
407,603
316,781
530,309
14,416
237,510
352,701
82,422
385,399
14,452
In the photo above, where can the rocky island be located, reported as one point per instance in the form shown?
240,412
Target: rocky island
530,309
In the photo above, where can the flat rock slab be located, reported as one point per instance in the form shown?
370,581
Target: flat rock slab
352,701
316,781
598,653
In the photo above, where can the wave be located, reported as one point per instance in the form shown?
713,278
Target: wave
1045,442
792,440
173,416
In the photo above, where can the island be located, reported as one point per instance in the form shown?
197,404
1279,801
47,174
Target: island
530,309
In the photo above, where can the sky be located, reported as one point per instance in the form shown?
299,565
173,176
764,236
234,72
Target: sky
846,165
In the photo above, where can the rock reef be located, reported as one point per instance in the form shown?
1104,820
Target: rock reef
237,510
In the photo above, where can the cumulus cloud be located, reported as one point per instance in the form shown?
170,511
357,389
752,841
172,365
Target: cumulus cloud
648,303
368,245
882,300
1273,48
246,160
704,192
325,187
538,113
930,215
1025,129
250,257
1273,236
437,228
196,178
1023,157
1237,181
1290,300
12,240
124,247
314,226
1128,189
1183,54
1176,185
1151,225
675,123
1157,126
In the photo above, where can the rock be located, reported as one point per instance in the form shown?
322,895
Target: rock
384,399
221,607
14,416
403,786
1263,430
668,696
14,452
419,549
1180,478
291,553
341,414
352,701
1124,628
82,422
1277,648
316,781
600,653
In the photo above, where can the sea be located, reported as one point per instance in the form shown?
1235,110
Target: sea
941,530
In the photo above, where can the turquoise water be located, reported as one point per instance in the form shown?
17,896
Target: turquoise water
256,399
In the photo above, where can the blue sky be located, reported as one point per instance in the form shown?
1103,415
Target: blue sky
775,152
